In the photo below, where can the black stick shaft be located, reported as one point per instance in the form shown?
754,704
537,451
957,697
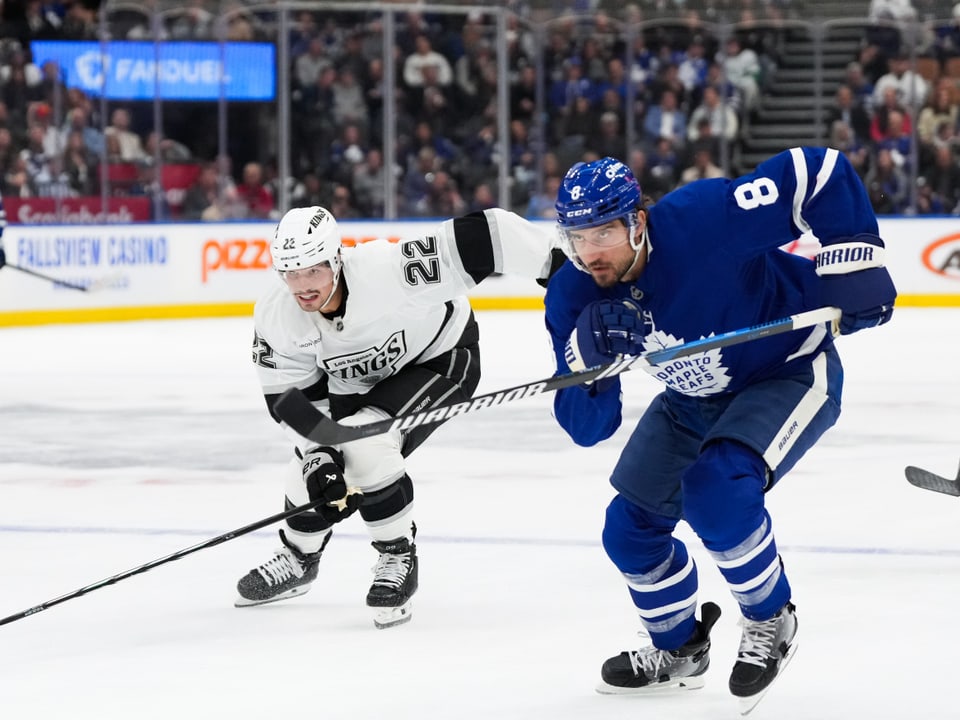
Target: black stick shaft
161,561
40,275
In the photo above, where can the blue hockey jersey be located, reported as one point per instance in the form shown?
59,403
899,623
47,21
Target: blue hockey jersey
715,265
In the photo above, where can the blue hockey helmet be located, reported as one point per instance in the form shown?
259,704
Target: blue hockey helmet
596,193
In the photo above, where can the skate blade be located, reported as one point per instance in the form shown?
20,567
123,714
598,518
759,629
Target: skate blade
292,593
390,617
665,688
749,703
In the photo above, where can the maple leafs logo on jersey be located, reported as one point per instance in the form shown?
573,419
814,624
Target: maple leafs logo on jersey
370,366
696,375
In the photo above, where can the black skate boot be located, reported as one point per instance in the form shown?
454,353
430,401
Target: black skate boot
394,582
287,574
650,670
765,649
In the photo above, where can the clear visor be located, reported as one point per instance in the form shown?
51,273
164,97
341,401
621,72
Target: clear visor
600,237
321,274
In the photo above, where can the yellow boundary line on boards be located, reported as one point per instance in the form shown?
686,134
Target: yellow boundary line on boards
172,312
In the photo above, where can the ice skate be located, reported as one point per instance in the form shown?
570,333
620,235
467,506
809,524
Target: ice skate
287,574
765,649
394,582
651,670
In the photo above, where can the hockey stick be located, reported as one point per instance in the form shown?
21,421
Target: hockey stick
931,481
160,561
92,287
298,412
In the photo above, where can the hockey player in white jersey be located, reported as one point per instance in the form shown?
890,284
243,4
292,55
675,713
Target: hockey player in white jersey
368,331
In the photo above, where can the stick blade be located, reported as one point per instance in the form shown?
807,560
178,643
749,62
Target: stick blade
931,481
296,410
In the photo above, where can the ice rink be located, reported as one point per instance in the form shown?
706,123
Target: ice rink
122,443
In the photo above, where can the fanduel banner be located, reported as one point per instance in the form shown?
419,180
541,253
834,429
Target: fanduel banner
126,70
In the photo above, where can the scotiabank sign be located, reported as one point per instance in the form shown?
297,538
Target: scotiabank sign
76,210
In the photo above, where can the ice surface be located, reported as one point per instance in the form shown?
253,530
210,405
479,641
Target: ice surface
122,443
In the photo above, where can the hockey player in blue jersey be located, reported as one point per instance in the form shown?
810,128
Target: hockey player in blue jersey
732,421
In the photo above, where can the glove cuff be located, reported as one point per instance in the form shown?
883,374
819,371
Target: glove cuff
847,255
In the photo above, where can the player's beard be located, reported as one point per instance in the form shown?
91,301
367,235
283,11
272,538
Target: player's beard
607,274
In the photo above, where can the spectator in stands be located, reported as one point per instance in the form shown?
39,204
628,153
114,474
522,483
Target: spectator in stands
857,150
703,166
859,85
40,113
309,65
942,177
78,120
369,184
666,120
910,87
80,164
940,109
742,69
720,117
348,101
483,198
846,109
18,93
52,89
169,150
880,123
542,205
206,199
347,152
445,197
425,56
314,192
573,85
663,169
51,180
341,203
886,184
131,146
693,68
254,194
8,157
417,181
608,139
17,179
523,95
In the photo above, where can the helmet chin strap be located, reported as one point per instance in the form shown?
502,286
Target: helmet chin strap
333,289
638,247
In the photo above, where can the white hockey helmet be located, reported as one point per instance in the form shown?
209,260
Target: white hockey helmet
306,237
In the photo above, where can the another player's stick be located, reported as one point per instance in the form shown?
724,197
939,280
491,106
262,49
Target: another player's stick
931,481
92,287
298,412
160,561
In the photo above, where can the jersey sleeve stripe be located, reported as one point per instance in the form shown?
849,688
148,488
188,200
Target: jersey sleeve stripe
826,170
800,192
475,245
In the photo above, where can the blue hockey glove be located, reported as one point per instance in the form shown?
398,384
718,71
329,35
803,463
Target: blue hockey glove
853,279
605,330
323,475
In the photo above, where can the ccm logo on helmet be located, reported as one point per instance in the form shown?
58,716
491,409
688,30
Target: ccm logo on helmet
235,255
578,213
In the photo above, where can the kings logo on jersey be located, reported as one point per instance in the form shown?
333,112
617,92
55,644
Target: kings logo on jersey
370,366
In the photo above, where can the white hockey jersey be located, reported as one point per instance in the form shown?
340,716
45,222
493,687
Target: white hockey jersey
406,303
